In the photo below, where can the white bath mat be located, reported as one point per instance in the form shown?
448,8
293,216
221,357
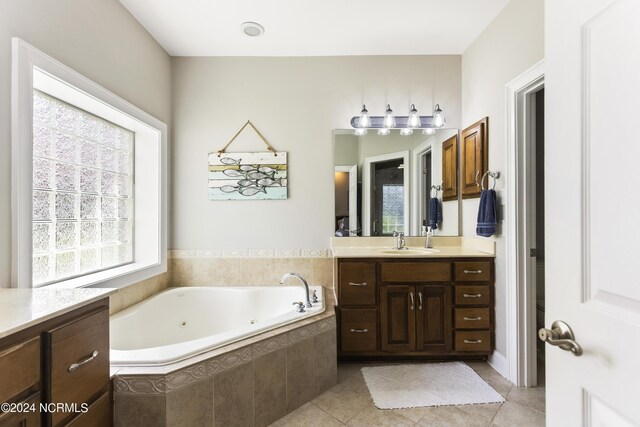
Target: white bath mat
429,384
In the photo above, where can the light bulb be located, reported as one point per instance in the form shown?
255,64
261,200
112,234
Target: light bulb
360,131
384,131
406,131
389,119
365,120
438,117
429,131
413,121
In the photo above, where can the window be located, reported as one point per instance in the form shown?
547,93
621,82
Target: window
89,181
392,208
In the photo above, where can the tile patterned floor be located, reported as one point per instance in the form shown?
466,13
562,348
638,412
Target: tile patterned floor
349,403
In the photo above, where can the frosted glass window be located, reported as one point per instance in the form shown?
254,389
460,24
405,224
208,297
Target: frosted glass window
392,208
82,192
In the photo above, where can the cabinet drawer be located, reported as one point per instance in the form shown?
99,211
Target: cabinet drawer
359,330
473,341
357,283
472,271
99,414
20,368
472,295
400,272
472,318
79,365
23,419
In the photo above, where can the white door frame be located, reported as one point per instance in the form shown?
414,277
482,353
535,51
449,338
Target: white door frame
352,170
520,276
417,184
366,188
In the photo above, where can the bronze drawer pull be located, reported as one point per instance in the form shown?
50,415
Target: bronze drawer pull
358,284
75,366
472,295
360,331
472,318
472,271
472,341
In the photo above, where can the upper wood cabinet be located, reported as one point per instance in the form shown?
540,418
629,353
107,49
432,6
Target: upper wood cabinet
450,169
475,157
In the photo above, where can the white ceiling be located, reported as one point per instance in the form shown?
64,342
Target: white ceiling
315,28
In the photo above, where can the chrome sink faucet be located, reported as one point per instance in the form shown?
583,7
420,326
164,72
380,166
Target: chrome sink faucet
400,243
304,282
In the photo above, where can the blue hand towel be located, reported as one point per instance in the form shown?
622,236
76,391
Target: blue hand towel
435,213
487,214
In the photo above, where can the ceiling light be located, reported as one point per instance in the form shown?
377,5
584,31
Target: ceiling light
429,131
406,131
252,29
413,121
360,131
389,119
384,131
438,117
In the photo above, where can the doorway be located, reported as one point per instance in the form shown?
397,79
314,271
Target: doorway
388,197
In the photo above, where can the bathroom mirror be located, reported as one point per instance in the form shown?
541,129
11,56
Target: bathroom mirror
383,183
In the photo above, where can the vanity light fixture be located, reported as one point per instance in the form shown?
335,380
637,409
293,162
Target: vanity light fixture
389,119
414,119
438,117
407,124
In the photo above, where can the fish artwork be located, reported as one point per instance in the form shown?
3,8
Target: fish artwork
247,168
266,169
260,175
252,191
233,173
230,161
246,182
268,182
228,188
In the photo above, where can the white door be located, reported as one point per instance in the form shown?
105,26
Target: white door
353,200
592,60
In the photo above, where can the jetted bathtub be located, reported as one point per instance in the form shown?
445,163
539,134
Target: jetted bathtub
183,322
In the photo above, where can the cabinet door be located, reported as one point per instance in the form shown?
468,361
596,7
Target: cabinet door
398,318
450,169
475,160
434,316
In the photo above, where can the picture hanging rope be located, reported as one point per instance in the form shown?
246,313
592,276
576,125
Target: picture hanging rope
269,147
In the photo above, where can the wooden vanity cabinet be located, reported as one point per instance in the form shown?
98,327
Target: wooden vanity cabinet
475,157
431,308
37,367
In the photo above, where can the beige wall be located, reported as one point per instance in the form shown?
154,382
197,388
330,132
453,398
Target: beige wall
511,44
97,38
296,103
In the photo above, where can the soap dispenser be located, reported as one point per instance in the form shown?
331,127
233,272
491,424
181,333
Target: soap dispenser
428,243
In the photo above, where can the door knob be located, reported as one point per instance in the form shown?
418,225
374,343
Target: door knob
562,336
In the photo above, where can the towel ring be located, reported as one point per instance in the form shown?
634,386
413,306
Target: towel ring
494,175
437,188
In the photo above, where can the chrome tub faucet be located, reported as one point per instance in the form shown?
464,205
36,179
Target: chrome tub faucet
304,282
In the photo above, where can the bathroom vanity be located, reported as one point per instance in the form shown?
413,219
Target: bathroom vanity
54,349
415,304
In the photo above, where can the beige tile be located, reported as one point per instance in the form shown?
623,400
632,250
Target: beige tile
307,415
230,271
346,399
325,363
346,370
485,410
270,387
139,410
205,271
513,414
191,405
494,379
451,416
378,417
322,272
181,271
233,404
533,398
300,376
302,266
260,272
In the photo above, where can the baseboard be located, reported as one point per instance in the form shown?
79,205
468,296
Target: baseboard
498,362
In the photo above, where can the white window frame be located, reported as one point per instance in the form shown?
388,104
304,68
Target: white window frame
33,69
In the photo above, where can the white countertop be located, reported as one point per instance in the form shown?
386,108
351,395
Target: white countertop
22,308
382,247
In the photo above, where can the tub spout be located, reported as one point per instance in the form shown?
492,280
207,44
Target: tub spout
304,282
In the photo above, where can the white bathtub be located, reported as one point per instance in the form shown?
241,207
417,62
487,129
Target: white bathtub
182,322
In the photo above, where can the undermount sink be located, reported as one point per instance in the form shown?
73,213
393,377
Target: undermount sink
410,251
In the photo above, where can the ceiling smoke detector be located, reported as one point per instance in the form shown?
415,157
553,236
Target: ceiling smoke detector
252,29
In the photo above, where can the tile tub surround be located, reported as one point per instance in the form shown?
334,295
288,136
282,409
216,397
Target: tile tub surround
250,267
133,294
252,382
